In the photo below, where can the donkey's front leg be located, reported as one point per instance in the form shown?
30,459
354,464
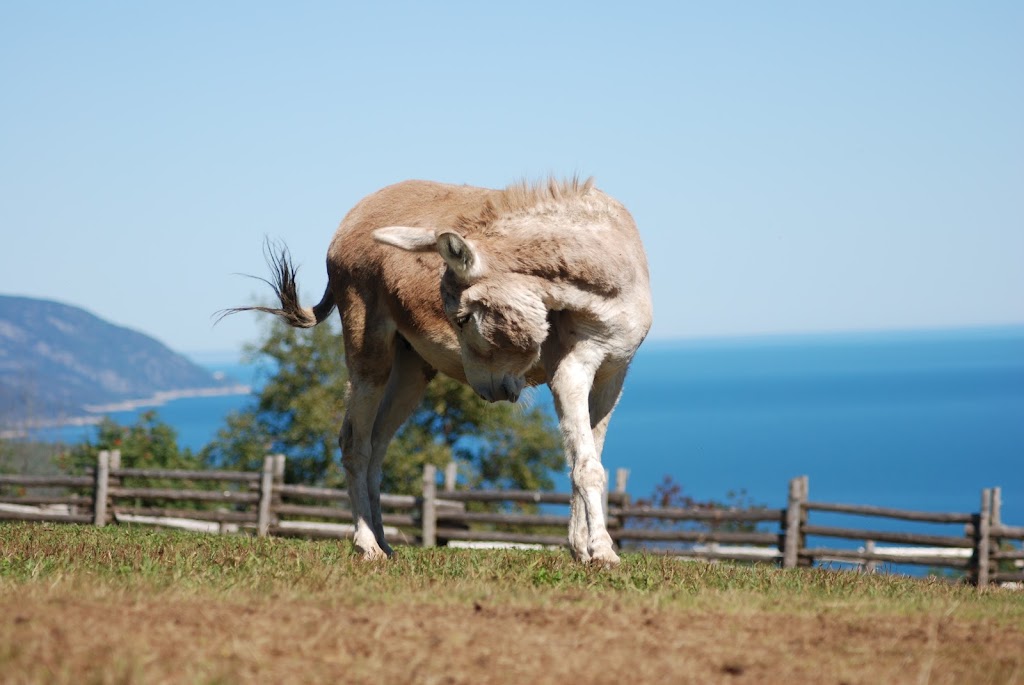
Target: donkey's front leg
589,538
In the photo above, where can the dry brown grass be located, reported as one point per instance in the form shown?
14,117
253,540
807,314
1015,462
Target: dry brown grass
78,605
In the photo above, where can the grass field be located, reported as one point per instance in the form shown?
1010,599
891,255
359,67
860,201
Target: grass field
122,605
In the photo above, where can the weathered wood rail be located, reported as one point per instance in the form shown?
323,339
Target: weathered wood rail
980,545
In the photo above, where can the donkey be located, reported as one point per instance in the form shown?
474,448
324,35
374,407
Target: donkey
500,289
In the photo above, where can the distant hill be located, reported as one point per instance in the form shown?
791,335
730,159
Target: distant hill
58,361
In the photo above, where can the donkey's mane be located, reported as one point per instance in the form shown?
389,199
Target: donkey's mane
523,197
541,249
526,195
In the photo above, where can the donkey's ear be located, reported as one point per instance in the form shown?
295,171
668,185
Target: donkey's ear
407,238
461,255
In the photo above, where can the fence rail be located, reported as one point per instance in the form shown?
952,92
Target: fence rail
261,503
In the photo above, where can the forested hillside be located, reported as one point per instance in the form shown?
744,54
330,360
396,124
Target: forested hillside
57,361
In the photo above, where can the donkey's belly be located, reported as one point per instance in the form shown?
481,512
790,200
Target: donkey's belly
447,360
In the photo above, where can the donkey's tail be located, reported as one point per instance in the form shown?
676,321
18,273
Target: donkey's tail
283,283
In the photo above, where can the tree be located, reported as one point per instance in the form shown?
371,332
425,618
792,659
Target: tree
26,457
300,409
669,494
148,443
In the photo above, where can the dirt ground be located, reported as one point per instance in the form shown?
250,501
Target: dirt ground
54,639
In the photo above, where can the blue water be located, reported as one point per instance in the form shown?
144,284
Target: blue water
919,420
196,420
922,420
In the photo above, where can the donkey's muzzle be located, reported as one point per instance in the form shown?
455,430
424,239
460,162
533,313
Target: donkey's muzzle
508,391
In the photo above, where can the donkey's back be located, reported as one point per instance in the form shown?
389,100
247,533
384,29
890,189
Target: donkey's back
496,288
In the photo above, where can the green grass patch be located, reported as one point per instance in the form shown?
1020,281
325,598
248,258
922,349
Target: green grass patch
135,559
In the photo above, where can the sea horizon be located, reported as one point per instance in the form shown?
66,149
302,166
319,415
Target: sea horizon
913,419
220,357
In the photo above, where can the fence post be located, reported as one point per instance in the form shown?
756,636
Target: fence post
997,506
451,476
112,480
870,565
115,465
266,493
996,518
429,512
100,490
794,516
982,541
279,469
621,476
276,500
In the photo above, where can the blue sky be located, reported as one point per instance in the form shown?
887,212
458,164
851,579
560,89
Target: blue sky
793,167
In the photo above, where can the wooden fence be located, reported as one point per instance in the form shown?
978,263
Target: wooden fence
980,545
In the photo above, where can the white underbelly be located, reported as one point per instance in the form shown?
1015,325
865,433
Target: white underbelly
447,360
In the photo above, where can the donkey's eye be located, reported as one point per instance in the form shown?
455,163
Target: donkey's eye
463,320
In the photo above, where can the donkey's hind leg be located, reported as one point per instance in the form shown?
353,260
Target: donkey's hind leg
404,391
363,402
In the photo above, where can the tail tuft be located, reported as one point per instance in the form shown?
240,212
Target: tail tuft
279,260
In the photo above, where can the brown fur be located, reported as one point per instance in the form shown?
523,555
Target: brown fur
538,283
544,256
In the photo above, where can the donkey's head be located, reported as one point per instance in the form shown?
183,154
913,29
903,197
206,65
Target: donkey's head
499,316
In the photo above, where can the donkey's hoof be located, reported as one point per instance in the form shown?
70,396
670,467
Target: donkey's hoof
374,555
371,552
604,558
580,554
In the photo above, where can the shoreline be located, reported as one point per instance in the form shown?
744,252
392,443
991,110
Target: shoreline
97,412
164,396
